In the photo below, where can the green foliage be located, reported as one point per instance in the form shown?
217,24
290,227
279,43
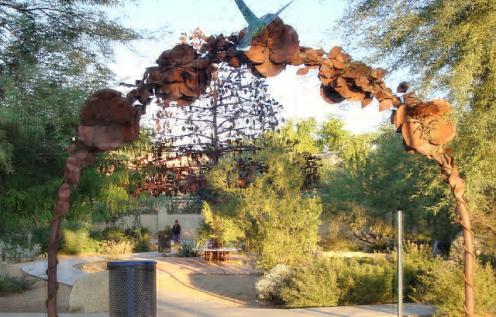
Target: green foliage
51,58
140,237
351,149
332,282
187,250
338,236
442,285
341,281
113,234
448,47
77,240
10,284
357,279
366,188
110,189
222,229
313,285
300,136
477,158
40,236
448,43
273,212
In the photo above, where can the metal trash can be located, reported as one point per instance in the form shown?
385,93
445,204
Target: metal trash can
132,288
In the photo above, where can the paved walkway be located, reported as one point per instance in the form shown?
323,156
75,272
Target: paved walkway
66,272
181,292
177,310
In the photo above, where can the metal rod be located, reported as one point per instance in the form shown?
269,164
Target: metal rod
399,223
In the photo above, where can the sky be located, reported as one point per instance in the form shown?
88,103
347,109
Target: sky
314,21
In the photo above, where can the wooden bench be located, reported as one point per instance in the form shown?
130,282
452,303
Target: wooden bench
218,254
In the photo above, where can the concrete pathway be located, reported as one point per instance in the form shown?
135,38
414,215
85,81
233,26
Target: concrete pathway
177,295
213,310
66,272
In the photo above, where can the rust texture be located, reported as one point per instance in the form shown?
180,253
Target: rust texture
107,122
182,75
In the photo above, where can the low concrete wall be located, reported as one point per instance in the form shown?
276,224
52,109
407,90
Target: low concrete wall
189,223
90,294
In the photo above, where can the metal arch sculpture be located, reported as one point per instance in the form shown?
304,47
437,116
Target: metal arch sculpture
109,119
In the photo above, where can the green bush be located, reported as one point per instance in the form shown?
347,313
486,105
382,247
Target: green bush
76,241
9,284
219,228
331,282
339,237
313,285
113,234
187,250
140,237
328,282
442,285
40,236
364,281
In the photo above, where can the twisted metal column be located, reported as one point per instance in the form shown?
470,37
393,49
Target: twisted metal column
457,185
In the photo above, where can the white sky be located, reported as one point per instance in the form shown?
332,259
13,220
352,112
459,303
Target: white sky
313,20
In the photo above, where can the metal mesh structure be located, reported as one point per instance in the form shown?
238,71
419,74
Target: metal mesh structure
132,287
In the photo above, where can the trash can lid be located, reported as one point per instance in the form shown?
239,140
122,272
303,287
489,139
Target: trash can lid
130,263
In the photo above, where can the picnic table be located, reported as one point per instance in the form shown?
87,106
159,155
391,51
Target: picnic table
218,254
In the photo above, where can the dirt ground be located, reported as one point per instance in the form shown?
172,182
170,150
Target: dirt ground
32,300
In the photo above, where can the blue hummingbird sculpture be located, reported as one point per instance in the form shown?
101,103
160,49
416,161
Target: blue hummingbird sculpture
255,24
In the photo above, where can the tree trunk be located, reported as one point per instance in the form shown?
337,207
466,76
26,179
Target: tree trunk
53,286
450,171
78,158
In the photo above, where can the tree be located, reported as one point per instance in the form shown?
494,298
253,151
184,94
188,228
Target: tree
367,186
52,55
448,46
273,211
113,187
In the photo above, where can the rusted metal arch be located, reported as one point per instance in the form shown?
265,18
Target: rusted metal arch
110,120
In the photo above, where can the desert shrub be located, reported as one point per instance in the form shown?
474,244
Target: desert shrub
338,236
76,241
116,250
417,260
357,277
140,236
224,230
187,250
313,285
276,220
113,234
270,286
40,236
17,252
442,285
331,282
9,284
